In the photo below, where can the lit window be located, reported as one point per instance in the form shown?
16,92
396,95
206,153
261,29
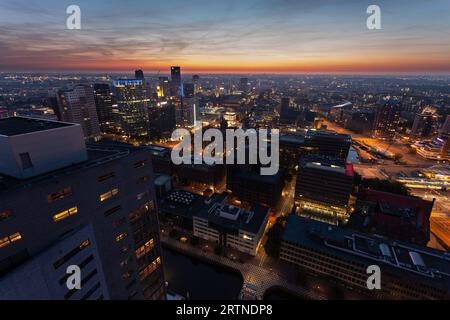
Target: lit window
246,237
147,247
109,194
65,214
59,195
149,269
121,236
8,240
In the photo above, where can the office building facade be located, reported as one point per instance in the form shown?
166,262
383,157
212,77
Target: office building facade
77,105
94,203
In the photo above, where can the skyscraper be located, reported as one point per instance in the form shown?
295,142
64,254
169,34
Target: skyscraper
323,188
139,74
387,119
175,74
425,123
196,82
244,85
107,110
77,105
91,206
163,89
133,107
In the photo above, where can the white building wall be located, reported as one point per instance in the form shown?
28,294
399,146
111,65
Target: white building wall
48,151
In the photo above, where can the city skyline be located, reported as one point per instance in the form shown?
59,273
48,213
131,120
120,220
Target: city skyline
327,37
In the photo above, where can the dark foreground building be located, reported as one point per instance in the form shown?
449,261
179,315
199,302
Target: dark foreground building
63,203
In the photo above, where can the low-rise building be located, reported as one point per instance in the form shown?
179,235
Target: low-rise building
407,271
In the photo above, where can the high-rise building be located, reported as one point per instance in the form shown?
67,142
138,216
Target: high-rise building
162,120
77,105
387,119
328,143
190,105
196,82
133,107
175,83
163,89
323,188
107,109
426,123
139,74
244,85
91,206
188,90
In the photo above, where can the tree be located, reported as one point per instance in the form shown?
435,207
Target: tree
361,183
218,250
194,241
173,233
274,237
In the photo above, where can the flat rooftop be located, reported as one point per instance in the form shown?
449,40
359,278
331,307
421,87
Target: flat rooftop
404,259
313,133
98,154
14,126
249,221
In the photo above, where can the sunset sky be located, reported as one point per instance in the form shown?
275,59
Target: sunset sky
226,36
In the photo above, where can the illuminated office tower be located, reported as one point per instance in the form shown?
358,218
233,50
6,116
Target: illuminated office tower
190,108
426,123
323,188
87,205
163,89
107,109
77,105
244,85
387,119
175,84
133,107
196,82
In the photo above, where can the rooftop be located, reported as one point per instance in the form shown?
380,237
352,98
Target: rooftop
312,133
98,154
402,258
13,126
223,216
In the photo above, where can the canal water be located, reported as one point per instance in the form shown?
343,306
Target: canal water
198,279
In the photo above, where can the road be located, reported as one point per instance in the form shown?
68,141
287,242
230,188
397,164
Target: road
395,147
440,216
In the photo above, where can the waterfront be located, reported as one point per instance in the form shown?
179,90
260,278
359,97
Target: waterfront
198,278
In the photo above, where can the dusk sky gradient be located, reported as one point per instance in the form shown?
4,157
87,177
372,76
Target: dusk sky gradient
227,36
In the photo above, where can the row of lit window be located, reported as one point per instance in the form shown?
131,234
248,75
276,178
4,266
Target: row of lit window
149,269
65,214
147,247
8,240
107,195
